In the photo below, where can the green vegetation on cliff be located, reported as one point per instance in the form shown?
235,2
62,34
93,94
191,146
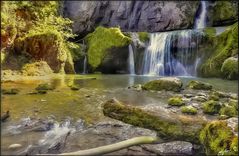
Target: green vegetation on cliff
143,36
102,40
224,46
36,28
230,68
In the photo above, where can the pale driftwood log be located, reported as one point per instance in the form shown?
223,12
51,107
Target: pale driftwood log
115,147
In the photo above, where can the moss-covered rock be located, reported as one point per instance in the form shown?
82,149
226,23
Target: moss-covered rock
230,68
176,101
211,107
101,41
39,68
11,91
225,12
229,111
143,36
224,46
198,85
213,97
74,87
43,88
167,83
189,110
167,125
217,138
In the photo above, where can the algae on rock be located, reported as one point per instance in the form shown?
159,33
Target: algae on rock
101,41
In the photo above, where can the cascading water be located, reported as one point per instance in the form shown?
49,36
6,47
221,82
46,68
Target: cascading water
200,22
171,53
85,65
131,60
175,52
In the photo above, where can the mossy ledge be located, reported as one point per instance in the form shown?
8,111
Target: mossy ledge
218,139
101,41
172,128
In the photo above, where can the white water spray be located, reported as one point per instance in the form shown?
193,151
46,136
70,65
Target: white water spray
131,60
201,20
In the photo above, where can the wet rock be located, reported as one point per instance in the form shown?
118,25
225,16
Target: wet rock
14,146
5,116
198,85
137,87
74,87
40,68
199,98
171,148
188,95
166,83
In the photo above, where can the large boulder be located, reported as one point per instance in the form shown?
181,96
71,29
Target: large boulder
106,49
230,68
166,83
150,16
198,85
40,68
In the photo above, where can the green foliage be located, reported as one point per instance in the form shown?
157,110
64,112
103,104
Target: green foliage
217,138
176,101
189,110
198,85
211,107
225,45
76,51
143,36
230,68
102,40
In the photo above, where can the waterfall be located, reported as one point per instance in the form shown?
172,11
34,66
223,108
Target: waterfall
200,22
172,53
131,60
85,65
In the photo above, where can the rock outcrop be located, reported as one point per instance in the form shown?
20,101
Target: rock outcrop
150,16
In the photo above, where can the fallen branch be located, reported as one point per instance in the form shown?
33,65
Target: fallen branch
115,147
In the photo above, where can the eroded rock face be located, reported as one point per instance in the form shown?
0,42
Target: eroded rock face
148,16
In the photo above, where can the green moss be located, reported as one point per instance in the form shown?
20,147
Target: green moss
198,85
211,107
229,111
233,103
224,10
44,87
163,84
168,129
189,110
225,45
217,137
176,101
214,97
143,36
210,32
101,41
11,91
230,69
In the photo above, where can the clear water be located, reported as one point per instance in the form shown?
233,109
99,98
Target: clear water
85,103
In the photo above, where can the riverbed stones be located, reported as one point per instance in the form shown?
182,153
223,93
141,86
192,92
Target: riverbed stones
166,83
198,85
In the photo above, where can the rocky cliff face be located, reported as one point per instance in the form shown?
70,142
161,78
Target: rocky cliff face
148,16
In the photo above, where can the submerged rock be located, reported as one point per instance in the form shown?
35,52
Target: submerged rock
198,85
11,91
166,83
